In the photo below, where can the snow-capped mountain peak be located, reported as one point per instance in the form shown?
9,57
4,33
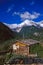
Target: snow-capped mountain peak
40,23
27,22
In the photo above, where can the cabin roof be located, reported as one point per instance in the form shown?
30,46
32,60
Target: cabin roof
28,41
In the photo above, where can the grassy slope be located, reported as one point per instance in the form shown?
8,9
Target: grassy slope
29,32
37,48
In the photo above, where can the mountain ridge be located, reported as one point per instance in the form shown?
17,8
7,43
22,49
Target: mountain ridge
6,33
32,32
26,31
27,22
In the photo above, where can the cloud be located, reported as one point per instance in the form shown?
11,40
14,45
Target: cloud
15,13
27,15
10,8
32,3
23,8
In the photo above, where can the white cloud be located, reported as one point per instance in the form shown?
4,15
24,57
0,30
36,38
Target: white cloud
27,15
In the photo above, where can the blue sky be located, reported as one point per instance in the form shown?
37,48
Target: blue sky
16,11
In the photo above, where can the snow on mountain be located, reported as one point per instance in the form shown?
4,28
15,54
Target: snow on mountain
18,27
40,23
11,26
27,22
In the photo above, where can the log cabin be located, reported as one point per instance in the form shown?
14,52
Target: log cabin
23,46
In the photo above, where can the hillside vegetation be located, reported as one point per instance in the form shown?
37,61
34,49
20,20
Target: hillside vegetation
31,32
